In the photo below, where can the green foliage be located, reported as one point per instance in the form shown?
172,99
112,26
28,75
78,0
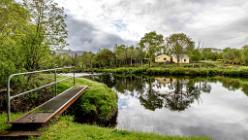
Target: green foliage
105,57
180,44
231,56
152,43
186,70
65,129
27,33
87,59
208,54
244,55
120,54
13,21
194,55
99,102
49,19
3,118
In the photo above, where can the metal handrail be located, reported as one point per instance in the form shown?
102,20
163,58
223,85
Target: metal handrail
35,89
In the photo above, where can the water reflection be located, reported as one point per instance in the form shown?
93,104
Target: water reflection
215,107
157,92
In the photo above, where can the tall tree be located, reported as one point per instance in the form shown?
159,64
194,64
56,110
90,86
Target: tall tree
105,57
120,54
244,55
139,55
231,56
50,30
180,44
14,20
152,44
88,59
130,54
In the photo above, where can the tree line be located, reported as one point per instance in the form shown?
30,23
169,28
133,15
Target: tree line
29,30
153,44
32,30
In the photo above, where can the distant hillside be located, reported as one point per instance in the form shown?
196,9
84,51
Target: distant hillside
212,49
69,52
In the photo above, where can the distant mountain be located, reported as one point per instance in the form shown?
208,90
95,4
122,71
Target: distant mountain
212,49
69,52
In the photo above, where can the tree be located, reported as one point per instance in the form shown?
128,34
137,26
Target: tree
194,55
152,44
231,56
180,44
63,60
120,54
49,30
244,55
130,54
88,59
105,57
14,20
208,54
139,55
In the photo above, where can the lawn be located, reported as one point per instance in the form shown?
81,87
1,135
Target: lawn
65,129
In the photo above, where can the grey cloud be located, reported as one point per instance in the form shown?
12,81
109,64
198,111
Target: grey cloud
85,37
229,35
166,17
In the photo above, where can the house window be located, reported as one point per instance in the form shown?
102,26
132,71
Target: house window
184,60
164,59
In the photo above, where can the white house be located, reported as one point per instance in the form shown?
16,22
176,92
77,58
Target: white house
181,59
163,58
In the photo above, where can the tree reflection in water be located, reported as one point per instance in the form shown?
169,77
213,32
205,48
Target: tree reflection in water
179,95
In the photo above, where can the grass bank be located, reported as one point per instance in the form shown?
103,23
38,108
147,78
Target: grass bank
3,117
180,71
97,104
66,129
98,100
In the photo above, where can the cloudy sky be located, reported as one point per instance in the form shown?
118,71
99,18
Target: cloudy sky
95,24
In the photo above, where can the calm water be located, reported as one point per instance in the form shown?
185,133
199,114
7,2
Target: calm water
215,107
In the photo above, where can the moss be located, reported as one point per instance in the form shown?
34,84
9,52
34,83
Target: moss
66,129
97,104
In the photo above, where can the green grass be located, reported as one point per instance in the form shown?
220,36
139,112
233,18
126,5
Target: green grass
179,70
98,103
66,129
3,117
98,98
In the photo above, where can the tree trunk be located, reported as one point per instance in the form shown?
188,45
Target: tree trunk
131,61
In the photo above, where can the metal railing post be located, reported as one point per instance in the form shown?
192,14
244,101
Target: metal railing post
9,106
55,80
74,77
9,97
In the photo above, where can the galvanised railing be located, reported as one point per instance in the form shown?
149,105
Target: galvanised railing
35,89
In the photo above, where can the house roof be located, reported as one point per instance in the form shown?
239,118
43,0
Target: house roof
181,56
162,55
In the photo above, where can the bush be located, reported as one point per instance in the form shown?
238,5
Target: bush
188,71
97,105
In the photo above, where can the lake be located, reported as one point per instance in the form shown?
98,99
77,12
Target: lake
216,107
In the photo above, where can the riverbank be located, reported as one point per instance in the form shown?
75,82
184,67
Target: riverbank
97,105
66,129
180,71
100,101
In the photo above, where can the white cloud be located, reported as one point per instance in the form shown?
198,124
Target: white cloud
217,23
